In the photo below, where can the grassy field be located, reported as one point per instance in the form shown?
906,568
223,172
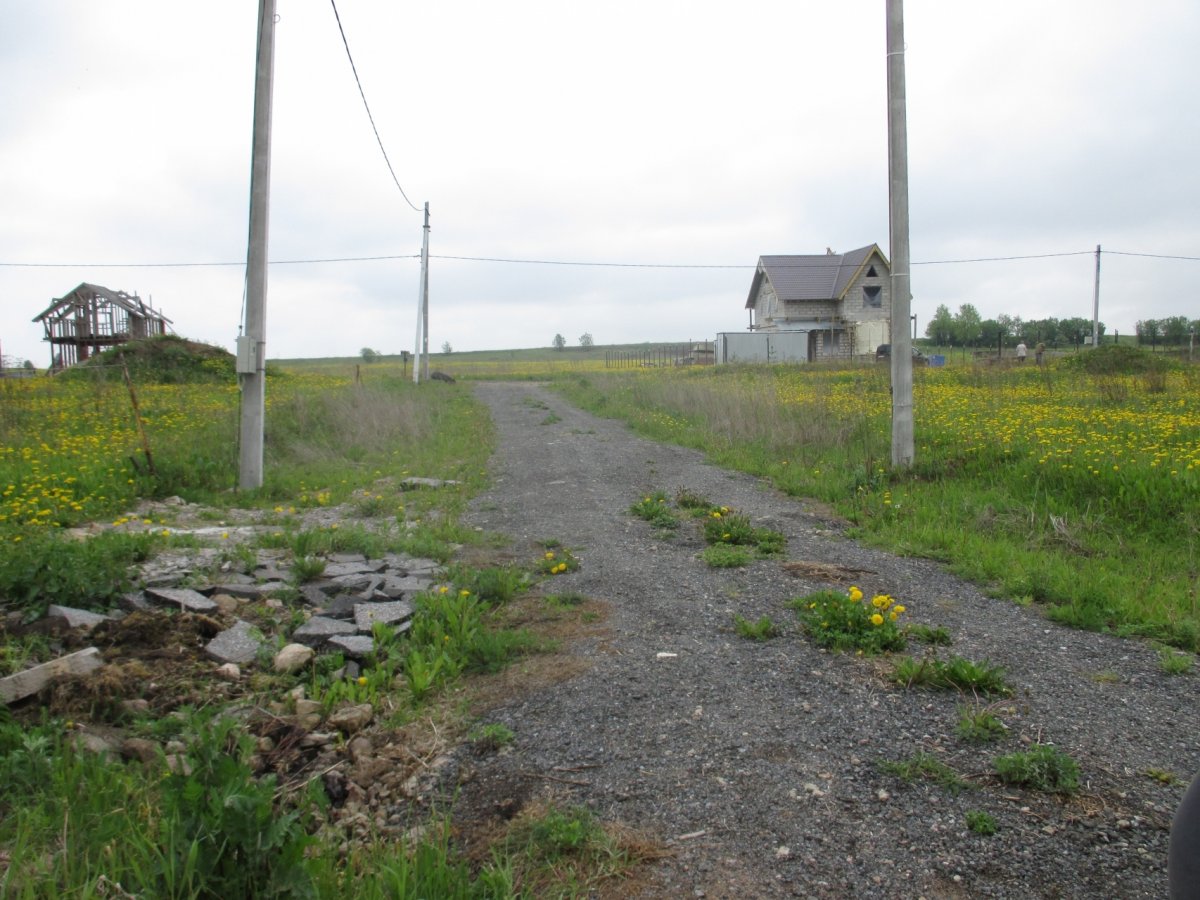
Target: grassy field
1074,487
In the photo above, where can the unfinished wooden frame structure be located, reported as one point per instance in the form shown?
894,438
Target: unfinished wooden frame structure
91,318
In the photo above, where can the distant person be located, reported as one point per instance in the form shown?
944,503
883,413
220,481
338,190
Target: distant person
1021,351
1038,352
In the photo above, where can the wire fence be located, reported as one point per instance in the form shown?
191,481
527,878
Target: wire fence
702,353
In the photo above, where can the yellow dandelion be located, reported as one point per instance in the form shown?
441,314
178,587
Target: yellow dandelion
362,680
877,619
855,594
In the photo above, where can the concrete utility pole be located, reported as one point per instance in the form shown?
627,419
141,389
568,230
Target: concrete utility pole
252,344
425,293
902,383
422,340
1096,304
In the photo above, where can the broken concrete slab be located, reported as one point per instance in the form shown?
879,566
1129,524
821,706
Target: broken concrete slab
414,483
338,570
184,598
251,591
391,614
238,644
77,618
319,629
29,682
396,588
352,646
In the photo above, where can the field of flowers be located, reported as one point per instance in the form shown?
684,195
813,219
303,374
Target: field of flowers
1047,484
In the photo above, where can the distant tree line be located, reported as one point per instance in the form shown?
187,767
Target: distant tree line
1173,331
967,328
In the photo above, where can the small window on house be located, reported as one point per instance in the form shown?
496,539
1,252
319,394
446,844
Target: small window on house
872,296
871,273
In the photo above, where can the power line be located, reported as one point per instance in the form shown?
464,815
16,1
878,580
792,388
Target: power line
550,262
362,94
196,265
615,265
1151,255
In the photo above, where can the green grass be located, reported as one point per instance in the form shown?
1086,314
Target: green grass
1065,504
981,823
925,767
1044,768
935,636
725,556
762,630
955,673
979,725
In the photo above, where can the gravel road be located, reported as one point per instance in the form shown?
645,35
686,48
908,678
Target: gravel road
758,763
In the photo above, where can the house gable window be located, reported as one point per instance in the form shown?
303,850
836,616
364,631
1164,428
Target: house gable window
871,273
873,296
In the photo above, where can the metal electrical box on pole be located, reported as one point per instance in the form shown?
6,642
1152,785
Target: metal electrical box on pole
902,378
253,342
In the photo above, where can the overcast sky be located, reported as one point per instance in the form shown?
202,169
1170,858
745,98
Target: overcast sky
632,131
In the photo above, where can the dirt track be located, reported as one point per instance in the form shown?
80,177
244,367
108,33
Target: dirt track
757,764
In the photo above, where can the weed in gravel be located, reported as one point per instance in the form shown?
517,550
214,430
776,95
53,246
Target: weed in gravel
928,634
1106,677
565,600
762,630
556,562
981,823
1044,768
955,673
848,621
723,556
655,510
979,724
491,737
690,500
367,504
495,584
1162,776
1172,662
567,852
927,767
723,526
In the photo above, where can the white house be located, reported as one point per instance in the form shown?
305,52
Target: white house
841,301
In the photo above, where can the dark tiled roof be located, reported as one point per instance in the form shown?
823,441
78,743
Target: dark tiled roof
822,276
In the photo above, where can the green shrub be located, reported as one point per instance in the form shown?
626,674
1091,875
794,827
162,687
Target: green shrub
44,568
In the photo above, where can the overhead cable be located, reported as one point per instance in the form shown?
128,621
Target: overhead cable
362,94
552,262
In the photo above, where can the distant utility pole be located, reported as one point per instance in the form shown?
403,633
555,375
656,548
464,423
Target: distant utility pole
902,383
1096,304
422,342
425,293
251,360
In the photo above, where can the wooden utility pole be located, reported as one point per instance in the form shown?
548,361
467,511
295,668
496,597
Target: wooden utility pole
252,344
902,383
